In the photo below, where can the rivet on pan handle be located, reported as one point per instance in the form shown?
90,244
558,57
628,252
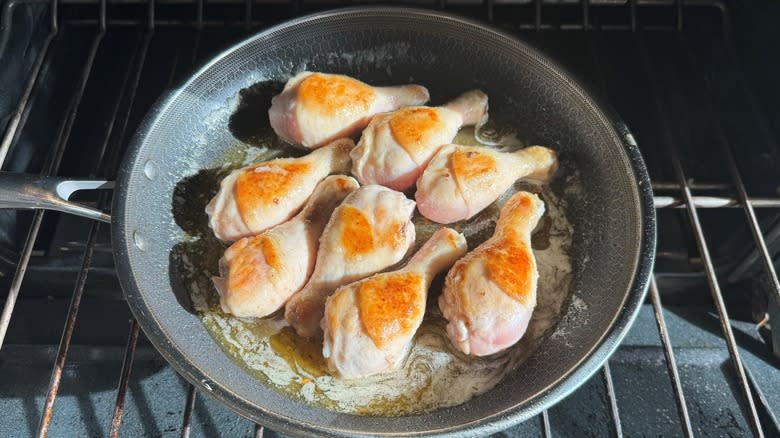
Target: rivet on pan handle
29,191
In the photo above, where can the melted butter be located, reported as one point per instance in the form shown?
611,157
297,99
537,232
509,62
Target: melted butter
434,374
403,405
299,352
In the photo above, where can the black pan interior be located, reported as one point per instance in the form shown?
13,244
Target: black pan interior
611,212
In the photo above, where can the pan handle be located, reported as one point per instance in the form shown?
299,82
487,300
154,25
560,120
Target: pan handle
29,191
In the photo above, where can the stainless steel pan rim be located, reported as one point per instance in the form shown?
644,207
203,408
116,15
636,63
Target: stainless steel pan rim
588,365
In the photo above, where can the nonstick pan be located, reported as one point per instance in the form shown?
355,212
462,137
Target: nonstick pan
187,130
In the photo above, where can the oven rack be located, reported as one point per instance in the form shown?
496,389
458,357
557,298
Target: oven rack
677,191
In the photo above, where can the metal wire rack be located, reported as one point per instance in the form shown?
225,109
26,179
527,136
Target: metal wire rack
189,20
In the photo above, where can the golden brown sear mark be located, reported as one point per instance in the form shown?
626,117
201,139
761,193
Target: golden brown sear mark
509,266
389,305
243,267
266,184
410,127
327,94
357,234
469,164
360,237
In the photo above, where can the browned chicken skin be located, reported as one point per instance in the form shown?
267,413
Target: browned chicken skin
490,293
370,231
369,325
252,199
315,108
395,147
461,181
260,273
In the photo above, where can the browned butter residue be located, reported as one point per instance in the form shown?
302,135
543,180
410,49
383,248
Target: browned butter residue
391,305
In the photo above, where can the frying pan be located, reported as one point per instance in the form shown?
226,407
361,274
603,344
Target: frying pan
612,212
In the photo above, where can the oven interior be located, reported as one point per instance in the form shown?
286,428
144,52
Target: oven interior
696,82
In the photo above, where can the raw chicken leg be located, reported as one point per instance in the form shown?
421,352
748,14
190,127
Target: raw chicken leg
260,273
255,198
395,148
369,325
461,181
315,108
370,231
490,293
